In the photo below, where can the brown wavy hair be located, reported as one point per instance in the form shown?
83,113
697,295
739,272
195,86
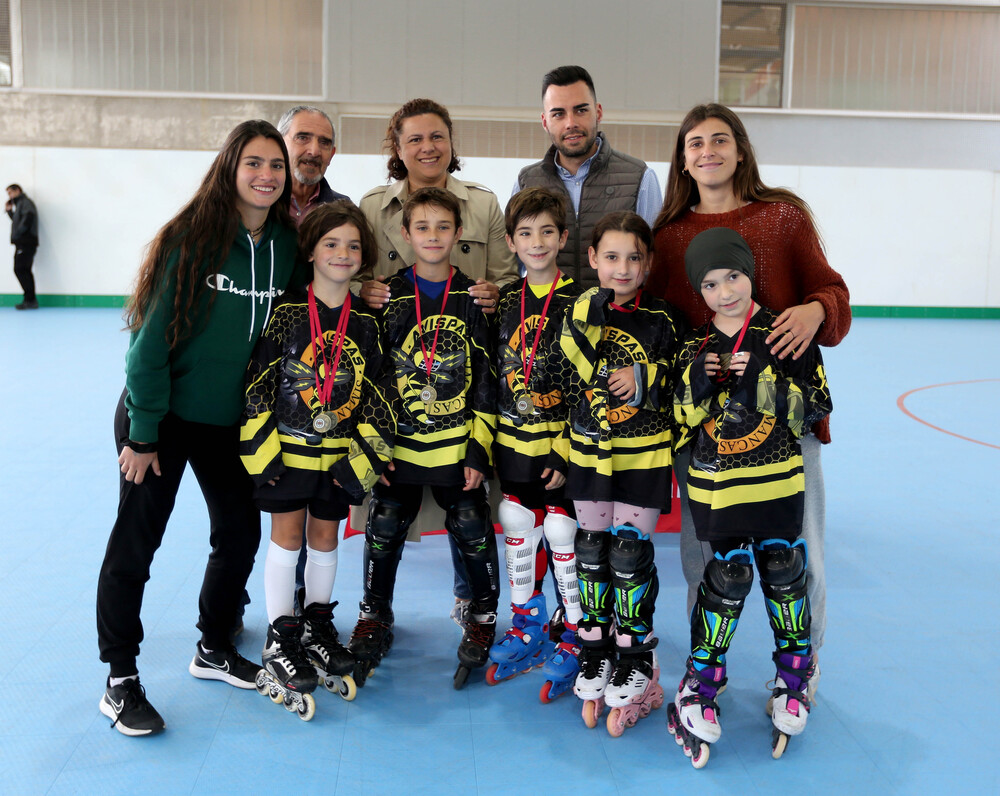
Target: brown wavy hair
531,202
330,216
682,191
415,107
201,235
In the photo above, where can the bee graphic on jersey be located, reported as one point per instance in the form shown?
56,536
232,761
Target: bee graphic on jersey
411,378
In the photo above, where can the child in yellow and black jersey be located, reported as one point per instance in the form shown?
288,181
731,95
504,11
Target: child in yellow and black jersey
532,446
318,431
745,409
621,344
445,385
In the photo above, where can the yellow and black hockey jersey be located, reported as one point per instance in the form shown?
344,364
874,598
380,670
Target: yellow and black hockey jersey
745,477
437,439
527,445
620,451
281,401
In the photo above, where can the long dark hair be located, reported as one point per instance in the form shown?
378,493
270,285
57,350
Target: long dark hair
682,191
202,234
415,107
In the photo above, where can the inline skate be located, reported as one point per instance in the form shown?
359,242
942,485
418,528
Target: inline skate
334,664
524,646
563,665
288,676
693,716
596,664
635,687
474,649
371,639
791,698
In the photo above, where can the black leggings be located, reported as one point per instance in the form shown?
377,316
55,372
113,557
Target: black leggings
143,511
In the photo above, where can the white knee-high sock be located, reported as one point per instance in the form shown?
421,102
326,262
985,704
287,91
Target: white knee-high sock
320,575
279,581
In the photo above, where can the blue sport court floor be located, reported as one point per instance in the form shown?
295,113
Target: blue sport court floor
908,699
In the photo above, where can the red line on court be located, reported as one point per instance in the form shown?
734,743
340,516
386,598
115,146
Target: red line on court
901,403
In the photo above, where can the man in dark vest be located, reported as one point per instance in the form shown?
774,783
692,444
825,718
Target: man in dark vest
582,164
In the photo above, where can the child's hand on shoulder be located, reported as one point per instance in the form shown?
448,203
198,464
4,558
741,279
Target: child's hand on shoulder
375,293
621,383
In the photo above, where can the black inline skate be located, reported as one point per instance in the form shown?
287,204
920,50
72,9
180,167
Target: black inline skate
288,676
371,639
474,649
334,664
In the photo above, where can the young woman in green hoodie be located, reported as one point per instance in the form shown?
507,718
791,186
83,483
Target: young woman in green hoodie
202,297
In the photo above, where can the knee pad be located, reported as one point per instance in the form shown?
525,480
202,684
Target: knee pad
594,576
782,567
716,612
388,522
471,526
779,562
633,576
521,538
469,521
560,530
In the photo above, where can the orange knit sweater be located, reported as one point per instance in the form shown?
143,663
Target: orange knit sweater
790,268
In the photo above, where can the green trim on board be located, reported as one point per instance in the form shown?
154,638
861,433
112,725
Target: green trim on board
969,313
858,311
10,299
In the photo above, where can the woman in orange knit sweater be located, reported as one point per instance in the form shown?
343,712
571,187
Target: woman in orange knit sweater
714,182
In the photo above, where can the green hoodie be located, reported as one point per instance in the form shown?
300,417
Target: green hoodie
201,380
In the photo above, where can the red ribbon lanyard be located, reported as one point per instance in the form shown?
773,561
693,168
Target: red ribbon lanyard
429,358
739,339
633,308
325,389
529,362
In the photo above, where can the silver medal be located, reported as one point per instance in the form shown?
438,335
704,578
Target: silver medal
428,394
524,405
323,422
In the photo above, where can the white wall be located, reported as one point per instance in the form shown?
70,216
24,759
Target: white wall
900,237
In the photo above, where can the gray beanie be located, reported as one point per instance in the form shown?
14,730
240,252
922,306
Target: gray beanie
719,247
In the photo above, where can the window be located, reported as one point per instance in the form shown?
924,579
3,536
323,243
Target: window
6,72
751,54
914,59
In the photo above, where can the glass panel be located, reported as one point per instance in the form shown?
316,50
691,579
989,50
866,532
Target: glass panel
751,54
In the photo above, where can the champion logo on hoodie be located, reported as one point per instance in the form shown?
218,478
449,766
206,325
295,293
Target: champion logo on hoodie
225,284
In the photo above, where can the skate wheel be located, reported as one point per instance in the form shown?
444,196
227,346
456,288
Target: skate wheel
276,696
261,687
699,756
491,674
779,742
545,695
308,707
461,677
615,725
348,688
590,713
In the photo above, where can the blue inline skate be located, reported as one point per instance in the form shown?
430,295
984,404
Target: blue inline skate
561,668
525,646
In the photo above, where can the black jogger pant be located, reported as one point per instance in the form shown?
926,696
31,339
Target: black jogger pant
143,511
